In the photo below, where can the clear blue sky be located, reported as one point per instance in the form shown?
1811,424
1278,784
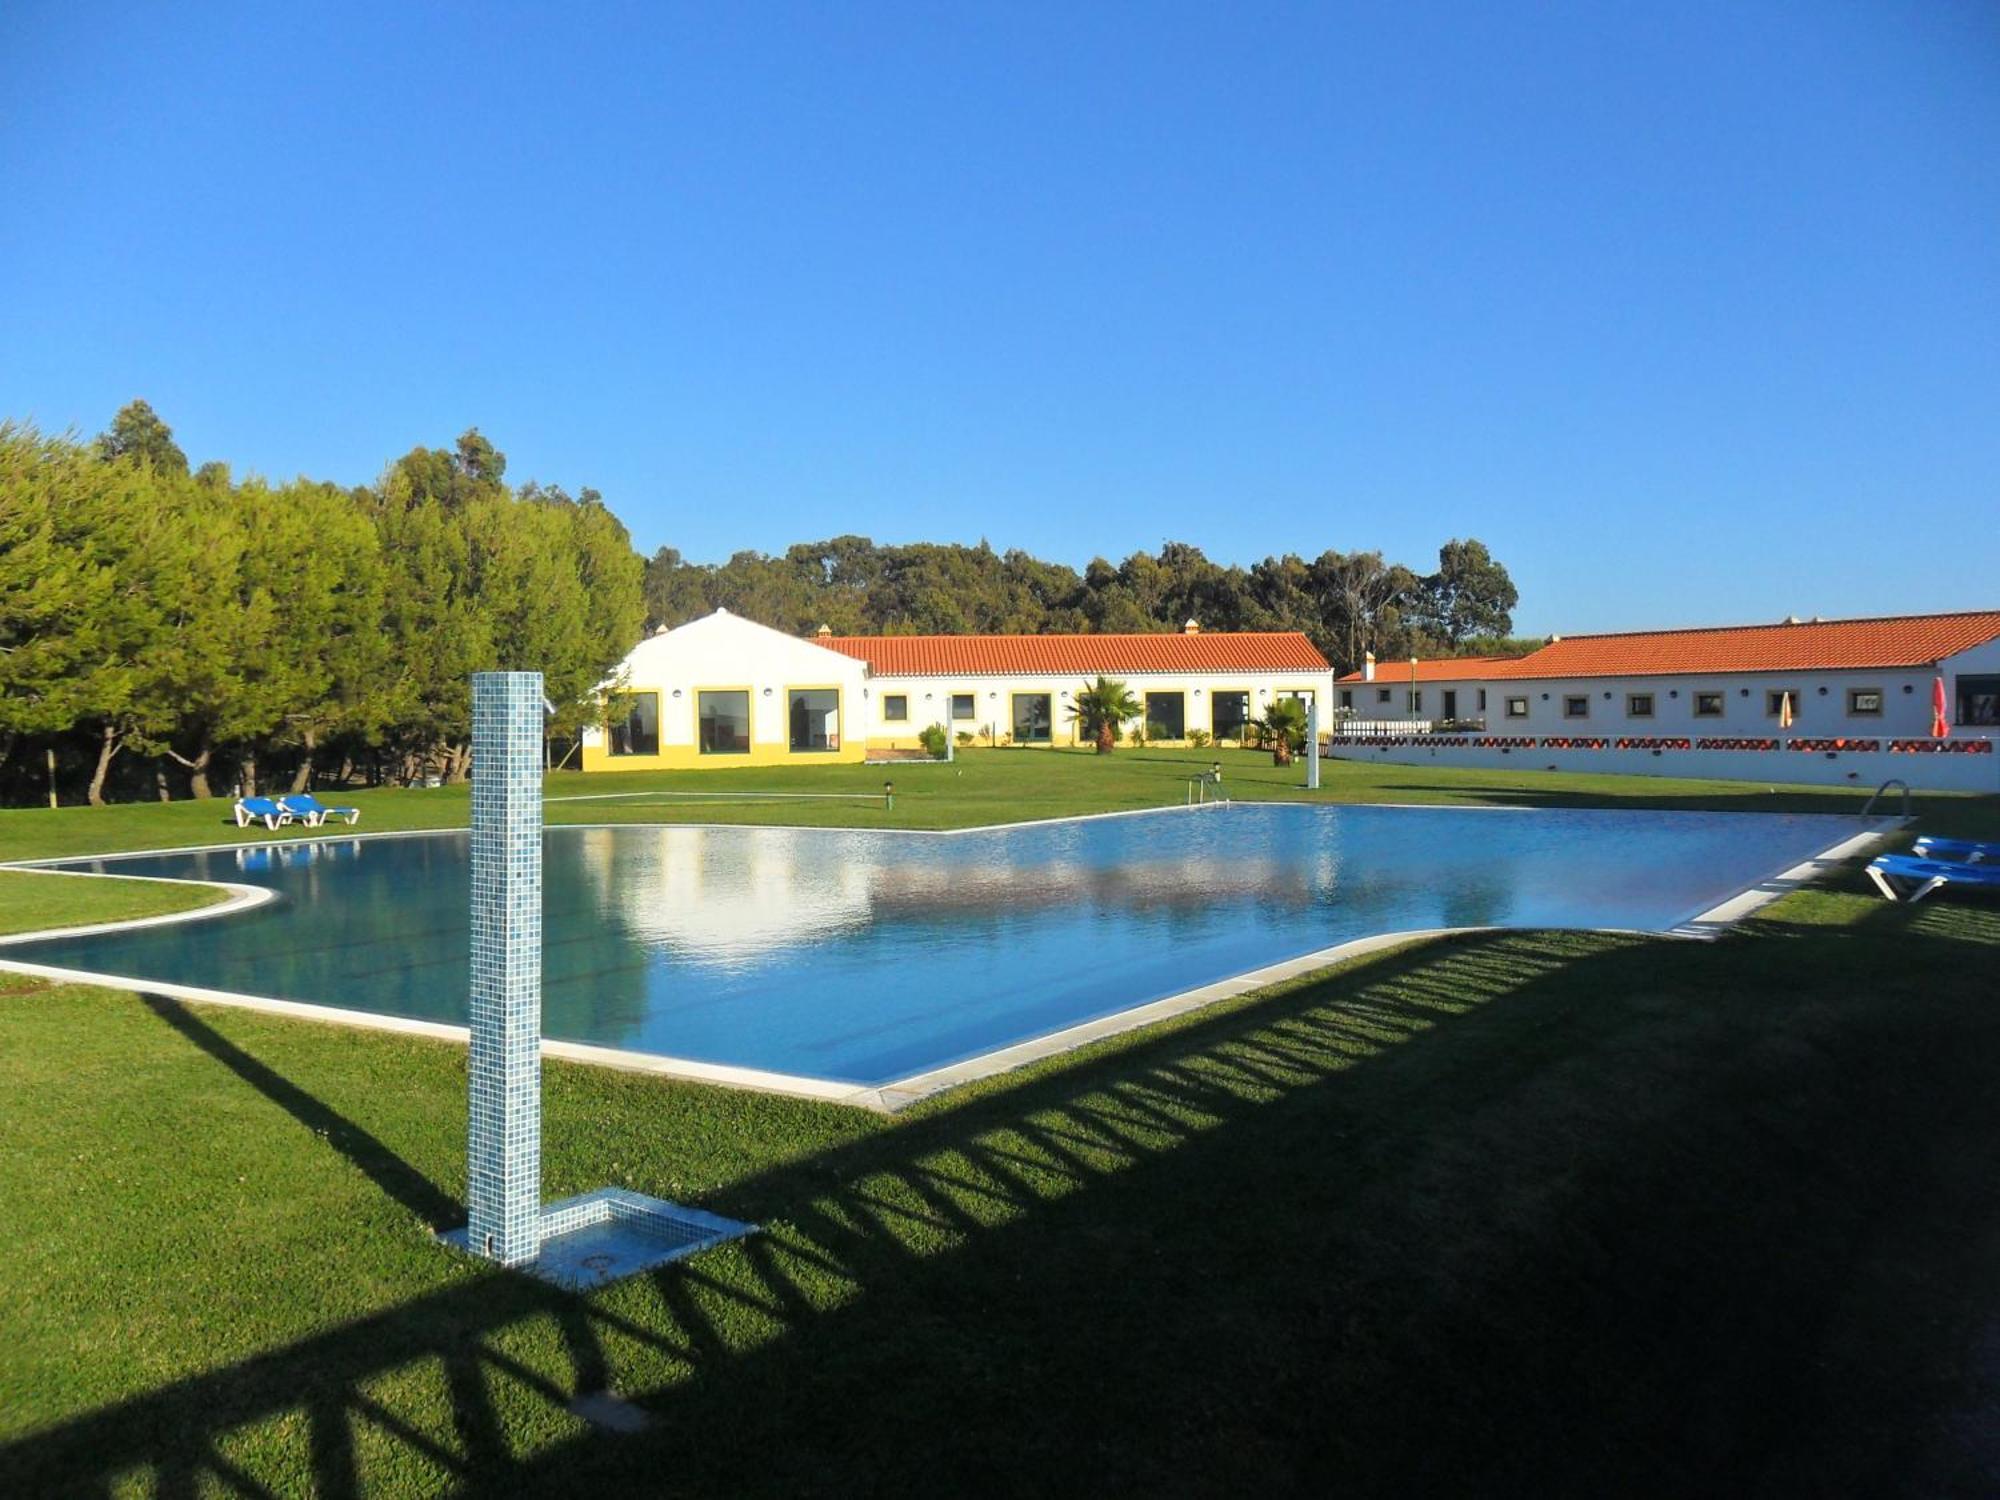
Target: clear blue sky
1690,311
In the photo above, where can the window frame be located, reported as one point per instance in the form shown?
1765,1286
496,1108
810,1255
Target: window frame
899,714
1650,711
1014,718
1215,696
611,730
1570,700
952,715
1146,710
749,718
1721,697
1771,701
1508,708
839,716
1881,703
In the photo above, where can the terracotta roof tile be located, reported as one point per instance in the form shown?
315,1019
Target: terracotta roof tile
1432,669
1818,645
1080,655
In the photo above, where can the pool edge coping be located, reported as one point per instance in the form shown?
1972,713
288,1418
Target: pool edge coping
899,1094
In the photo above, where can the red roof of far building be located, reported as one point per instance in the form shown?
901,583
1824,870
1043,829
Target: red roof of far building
1433,669
1080,655
1813,645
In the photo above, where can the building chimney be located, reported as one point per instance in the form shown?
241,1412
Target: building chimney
1368,667
1193,627
824,633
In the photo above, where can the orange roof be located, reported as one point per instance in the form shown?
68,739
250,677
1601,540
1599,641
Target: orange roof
1817,645
1080,655
1433,669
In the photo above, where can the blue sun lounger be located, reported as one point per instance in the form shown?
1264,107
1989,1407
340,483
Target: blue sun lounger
251,809
1970,850
1895,874
312,812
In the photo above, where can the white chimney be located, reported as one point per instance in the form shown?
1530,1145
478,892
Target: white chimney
1193,627
1368,667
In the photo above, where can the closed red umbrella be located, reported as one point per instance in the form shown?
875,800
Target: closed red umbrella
1940,725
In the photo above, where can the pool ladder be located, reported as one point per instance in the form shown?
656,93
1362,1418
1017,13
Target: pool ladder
1869,805
1197,789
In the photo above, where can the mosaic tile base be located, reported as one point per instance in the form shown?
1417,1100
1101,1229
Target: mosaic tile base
597,1238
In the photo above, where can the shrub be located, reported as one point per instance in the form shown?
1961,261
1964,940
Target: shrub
933,741
964,738
1198,738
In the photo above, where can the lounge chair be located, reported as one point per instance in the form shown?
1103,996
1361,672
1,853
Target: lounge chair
309,810
1972,851
1895,874
250,809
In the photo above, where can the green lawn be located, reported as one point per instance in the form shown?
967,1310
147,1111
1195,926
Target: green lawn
30,901
1511,1213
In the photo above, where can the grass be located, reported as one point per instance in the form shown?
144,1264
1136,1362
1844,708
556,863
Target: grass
982,786
1562,1213
30,901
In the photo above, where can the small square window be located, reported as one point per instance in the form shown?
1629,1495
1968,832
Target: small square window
961,706
1576,706
1638,705
1383,695
1774,701
1864,702
1517,708
1708,705
896,708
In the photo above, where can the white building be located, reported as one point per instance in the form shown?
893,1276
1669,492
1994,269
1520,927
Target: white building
1818,700
724,691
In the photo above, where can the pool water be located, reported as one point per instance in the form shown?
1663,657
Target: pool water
867,957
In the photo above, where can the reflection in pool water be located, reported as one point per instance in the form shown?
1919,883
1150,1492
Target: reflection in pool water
866,957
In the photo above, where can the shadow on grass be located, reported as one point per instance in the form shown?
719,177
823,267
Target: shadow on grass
1554,1212
382,1166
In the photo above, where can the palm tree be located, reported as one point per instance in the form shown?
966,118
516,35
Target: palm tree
1284,727
1101,708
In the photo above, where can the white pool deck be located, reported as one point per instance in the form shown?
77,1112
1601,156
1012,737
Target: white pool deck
1704,924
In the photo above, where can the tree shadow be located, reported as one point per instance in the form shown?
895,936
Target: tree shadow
1561,1212
382,1166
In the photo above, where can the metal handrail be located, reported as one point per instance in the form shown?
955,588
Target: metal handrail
1895,781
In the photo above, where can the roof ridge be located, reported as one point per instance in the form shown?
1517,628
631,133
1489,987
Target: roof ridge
1612,635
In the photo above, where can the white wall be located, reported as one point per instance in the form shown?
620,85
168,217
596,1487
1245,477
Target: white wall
1865,770
930,697
726,651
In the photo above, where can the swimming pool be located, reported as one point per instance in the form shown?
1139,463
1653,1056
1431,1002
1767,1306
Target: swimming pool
861,957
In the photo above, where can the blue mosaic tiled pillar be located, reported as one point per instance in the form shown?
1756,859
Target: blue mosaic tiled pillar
1312,743
504,1145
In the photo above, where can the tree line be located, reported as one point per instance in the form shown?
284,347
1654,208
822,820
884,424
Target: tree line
168,630
1348,603
163,629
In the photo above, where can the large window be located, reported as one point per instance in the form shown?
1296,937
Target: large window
724,722
1228,713
815,719
638,732
896,708
1032,717
1166,715
1979,701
